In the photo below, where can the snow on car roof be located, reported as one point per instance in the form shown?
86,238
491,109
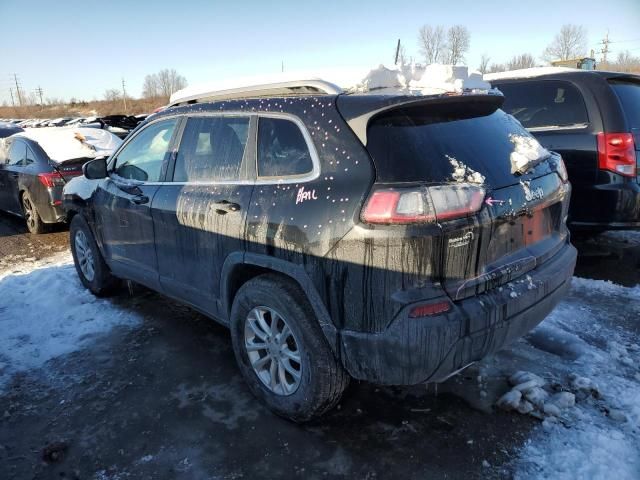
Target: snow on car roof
64,143
527,73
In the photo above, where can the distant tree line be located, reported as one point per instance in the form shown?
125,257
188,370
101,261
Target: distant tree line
438,44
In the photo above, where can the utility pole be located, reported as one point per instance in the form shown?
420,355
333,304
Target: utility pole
124,96
13,102
282,66
39,92
15,78
397,53
605,49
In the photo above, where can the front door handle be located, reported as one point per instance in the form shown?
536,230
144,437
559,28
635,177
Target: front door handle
140,199
15,174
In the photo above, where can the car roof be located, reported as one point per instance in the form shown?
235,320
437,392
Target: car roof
557,73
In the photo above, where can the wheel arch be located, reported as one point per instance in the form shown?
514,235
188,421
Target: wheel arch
239,268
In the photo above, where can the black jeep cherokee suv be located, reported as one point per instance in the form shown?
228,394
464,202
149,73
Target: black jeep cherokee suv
592,119
383,238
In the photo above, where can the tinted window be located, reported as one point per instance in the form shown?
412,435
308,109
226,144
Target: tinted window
282,149
547,103
424,144
211,149
629,95
141,159
17,153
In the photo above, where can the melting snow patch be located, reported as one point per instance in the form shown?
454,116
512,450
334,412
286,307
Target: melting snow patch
526,151
45,312
463,173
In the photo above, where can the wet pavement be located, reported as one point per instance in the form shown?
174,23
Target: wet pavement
165,400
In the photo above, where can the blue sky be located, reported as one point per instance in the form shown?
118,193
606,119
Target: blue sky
81,48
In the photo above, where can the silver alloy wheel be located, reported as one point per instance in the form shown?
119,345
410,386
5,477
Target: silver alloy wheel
29,212
84,254
273,350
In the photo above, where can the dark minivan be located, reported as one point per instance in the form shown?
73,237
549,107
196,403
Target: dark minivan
387,238
592,119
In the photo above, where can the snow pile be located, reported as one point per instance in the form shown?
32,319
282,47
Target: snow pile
526,73
62,143
527,150
45,312
529,397
420,80
584,383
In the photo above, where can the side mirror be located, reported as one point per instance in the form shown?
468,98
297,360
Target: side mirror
95,169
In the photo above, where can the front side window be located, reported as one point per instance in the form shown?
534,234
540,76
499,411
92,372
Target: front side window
547,103
282,149
141,159
211,149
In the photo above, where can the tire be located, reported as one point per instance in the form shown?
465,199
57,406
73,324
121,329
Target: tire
33,219
321,377
90,266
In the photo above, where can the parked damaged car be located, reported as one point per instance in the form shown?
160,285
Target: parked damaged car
36,164
387,238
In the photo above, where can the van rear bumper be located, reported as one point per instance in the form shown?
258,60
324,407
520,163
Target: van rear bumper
429,349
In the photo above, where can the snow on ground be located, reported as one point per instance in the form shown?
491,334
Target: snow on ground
589,348
45,312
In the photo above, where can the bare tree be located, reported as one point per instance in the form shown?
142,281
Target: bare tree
150,87
170,81
431,42
484,63
112,94
458,41
570,42
525,60
497,67
626,62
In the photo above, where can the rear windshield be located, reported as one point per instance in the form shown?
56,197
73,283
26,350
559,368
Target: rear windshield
629,95
544,104
418,145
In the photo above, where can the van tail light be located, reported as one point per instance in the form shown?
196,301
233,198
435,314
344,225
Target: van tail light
617,153
51,179
401,205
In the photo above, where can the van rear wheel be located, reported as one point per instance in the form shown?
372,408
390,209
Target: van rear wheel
281,350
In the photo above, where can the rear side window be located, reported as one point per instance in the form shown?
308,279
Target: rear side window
427,145
17,153
282,149
546,103
629,95
211,149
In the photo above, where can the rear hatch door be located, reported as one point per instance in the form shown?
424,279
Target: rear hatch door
521,223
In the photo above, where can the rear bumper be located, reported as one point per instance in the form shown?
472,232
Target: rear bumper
608,206
417,350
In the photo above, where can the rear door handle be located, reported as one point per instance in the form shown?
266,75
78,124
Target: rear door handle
15,174
140,199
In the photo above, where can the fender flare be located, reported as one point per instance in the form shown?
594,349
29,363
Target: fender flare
288,269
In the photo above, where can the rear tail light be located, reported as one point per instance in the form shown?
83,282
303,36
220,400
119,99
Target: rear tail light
616,153
51,179
422,204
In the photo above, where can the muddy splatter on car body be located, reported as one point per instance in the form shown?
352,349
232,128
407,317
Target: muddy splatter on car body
333,234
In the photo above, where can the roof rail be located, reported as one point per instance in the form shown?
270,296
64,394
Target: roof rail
292,87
